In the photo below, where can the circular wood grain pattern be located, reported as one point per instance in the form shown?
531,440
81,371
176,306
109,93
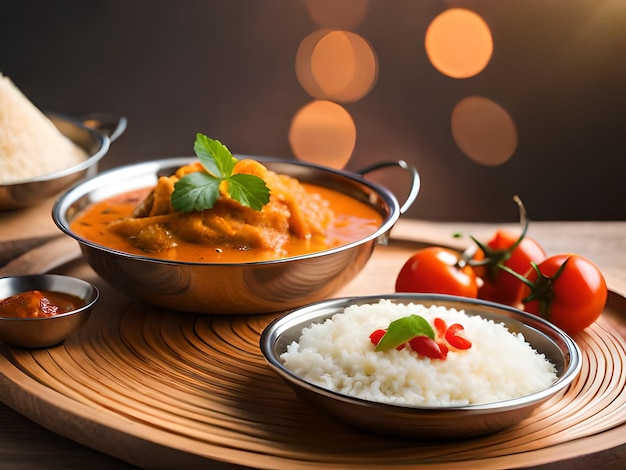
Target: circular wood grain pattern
199,384
203,378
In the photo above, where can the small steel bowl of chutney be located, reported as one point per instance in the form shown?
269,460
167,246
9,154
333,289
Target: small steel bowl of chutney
39,311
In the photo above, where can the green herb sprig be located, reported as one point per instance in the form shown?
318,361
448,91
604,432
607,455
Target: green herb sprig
199,190
403,329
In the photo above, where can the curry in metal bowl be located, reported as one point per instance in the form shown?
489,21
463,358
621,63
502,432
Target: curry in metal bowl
229,236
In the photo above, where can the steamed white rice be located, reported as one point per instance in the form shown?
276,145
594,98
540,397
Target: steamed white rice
30,144
339,355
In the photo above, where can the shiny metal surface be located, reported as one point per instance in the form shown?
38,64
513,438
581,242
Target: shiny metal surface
45,332
236,288
94,135
426,422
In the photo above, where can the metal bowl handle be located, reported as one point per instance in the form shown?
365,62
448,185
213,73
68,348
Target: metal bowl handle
415,179
106,124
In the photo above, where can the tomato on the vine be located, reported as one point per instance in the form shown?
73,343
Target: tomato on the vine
437,270
517,254
568,290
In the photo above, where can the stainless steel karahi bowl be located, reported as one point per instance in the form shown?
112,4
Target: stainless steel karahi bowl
94,134
233,288
437,423
48,331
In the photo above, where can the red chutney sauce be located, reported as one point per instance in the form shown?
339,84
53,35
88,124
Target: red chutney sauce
39,304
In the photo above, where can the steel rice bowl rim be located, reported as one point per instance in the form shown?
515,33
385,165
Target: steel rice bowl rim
273,331
83,188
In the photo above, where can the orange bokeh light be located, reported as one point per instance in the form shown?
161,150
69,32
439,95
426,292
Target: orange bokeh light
484,130
304,73
336,65
459,43
323,132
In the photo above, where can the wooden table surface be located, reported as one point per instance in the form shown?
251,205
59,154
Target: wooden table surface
25,445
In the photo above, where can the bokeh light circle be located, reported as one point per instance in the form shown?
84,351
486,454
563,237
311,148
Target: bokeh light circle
484,130
323,132
304,74
336,65
459,43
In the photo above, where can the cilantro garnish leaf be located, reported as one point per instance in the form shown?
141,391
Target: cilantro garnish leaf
249,190
195,191
198,191
214,156
402,330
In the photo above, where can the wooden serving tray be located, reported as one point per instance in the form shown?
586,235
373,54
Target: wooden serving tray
164,389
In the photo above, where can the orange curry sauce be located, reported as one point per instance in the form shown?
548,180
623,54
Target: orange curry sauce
354,220
39,304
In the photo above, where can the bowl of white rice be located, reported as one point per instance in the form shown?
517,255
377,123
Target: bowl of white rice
32,185
516,363
43,154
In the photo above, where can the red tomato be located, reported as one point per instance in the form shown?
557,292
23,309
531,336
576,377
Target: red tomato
440,327
437,270
455,337
426,347
377,335
498,285
572,299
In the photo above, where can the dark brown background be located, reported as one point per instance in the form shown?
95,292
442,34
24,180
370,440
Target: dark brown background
226,68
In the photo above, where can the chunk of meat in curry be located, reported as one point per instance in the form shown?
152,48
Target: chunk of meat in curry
156,226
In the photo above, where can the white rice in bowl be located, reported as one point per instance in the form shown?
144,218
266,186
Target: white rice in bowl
30,144
339,355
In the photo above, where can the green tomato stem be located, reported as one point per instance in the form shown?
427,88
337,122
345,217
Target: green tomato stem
542,290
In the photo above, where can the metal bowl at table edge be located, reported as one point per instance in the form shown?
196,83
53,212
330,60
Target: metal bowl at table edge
428,422
44,332
93,134
234,288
